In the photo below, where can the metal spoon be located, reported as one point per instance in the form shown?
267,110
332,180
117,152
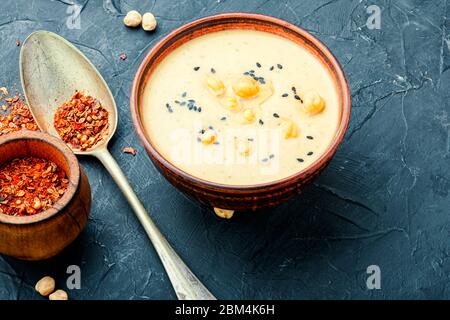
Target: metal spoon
51,69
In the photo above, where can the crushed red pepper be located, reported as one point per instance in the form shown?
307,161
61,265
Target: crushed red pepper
30,185
15,114
82,121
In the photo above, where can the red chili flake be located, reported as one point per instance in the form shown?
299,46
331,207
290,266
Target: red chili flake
130,150
15,115
123,56
81,122
30,185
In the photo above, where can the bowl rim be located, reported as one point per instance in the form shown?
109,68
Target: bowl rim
74,176
251,17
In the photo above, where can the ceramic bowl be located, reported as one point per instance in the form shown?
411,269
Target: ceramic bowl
237,197
47,233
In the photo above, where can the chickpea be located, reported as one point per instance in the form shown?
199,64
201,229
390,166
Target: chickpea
45,286
249,115
313,103
148,22
290,129
133,19
230,103
215,85
224,213
208,137
59,295
246,87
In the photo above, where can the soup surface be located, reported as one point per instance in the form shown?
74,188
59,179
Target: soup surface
240,107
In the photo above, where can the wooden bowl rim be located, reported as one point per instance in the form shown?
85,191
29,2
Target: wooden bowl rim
74,175
250,18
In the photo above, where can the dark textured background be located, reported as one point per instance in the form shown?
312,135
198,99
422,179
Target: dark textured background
383,200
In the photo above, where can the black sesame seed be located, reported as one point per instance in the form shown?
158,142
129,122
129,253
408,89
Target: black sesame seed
276,115
258,65
183,103
191,107
271,68
298,98
272,156
199,109
284,95
213,70
250,139
246,73
294,90
261,122
184,94
177,102
191,100
198,139
279,66
211,127
195,108
300,160
202,131
265,160
223,118
252,71
196,68
309,137
310,153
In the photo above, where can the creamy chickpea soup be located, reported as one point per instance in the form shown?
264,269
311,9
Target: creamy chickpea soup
240,107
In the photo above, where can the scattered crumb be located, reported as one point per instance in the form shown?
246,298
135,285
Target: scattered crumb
130,150
123,56
17,43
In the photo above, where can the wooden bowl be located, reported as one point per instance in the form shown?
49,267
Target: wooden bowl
233,196
47,233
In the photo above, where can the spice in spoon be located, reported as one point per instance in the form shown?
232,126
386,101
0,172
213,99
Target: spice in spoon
30,185
81,122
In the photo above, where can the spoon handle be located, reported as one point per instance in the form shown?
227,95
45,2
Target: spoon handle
185,283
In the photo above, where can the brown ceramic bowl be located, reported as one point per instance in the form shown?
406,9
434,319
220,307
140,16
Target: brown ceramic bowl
231,196
45,234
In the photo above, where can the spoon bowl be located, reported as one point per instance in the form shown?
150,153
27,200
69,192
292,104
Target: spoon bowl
52,69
